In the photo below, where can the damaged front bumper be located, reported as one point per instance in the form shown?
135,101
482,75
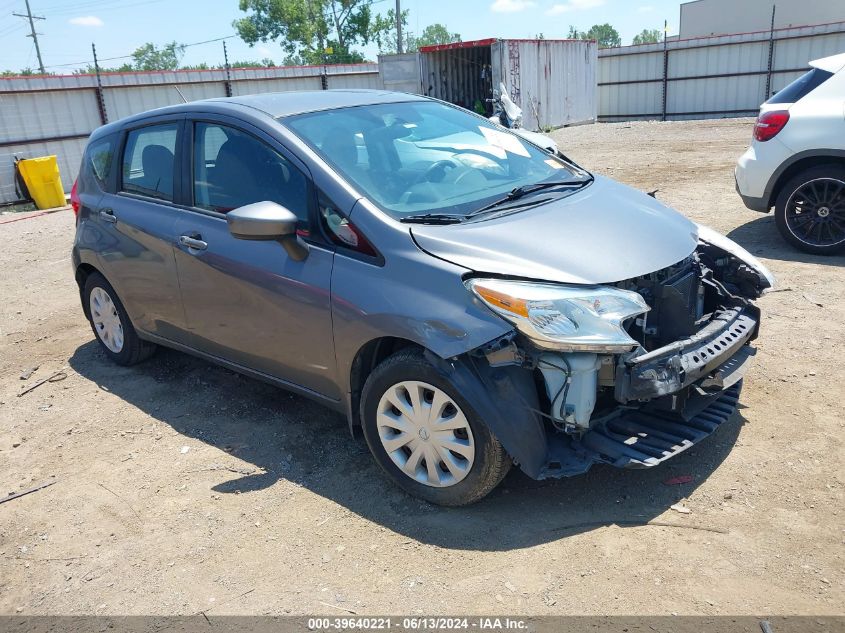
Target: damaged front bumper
629,410
717,353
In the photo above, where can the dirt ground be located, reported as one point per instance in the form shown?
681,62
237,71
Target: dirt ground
183,488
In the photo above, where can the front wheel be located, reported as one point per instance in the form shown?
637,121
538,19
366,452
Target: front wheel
426,435
810,210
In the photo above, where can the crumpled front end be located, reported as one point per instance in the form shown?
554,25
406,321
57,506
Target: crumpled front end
679,381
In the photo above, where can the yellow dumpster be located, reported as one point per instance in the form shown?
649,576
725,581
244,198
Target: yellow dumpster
41,176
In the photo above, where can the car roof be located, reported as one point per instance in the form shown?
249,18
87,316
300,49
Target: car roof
273,104
282,104
832,64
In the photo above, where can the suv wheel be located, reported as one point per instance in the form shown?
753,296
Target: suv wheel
426,436
810,210
111,324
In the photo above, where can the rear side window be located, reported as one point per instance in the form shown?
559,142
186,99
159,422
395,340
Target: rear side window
100,157
232,169
97,163
801,87
149,161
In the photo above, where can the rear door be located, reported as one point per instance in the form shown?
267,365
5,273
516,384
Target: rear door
137,221
248,302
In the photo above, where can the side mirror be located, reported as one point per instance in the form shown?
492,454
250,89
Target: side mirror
267,221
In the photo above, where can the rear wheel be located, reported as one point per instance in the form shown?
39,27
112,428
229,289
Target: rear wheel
810,210
426,435
111,324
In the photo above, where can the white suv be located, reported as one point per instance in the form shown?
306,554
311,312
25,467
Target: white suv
796,161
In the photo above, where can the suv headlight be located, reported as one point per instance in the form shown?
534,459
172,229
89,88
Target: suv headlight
565,318
708,235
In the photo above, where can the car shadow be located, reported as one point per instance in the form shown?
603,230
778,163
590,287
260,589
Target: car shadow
761,238
287,437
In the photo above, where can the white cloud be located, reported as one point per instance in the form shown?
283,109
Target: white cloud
86,20
511,6
264,51
645,9
574,5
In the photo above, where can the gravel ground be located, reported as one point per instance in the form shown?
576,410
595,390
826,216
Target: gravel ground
181,487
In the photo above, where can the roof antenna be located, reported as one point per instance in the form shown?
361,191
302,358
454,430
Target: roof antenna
184,100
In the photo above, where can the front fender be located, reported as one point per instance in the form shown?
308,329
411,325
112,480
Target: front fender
412,296
506,399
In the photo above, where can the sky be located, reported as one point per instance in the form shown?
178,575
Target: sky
120,26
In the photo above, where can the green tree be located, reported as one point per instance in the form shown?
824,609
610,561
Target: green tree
604,34
308,29
433,34
148,57
264,63
648,36
436,34
384,28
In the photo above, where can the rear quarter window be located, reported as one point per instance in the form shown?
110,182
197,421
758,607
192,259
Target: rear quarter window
97,162
801,87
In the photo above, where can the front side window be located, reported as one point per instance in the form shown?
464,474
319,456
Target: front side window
233,169
149,161
425,156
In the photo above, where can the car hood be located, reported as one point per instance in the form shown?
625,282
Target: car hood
603,233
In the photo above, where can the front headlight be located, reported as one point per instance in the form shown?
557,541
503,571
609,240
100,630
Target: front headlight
565,318
708,235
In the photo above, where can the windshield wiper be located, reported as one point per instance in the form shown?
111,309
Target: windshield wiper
518,192
433,218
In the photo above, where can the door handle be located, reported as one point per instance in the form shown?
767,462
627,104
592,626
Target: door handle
193,242
108,215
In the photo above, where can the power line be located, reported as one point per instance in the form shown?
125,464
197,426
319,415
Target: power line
33,34
103,8
111,59
99,5
11,29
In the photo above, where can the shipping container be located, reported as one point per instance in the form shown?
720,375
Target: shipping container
553,81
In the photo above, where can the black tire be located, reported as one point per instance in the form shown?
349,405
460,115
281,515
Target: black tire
490,464
134,350
823,232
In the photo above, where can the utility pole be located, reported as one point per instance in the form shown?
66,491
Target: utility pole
771,56
33,34
101,102
398,27
228,82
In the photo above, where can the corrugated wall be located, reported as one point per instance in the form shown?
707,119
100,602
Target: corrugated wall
54,115
553,81
709,76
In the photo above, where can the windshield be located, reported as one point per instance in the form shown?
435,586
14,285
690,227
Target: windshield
427,157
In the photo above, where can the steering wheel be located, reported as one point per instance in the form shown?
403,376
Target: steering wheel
439,166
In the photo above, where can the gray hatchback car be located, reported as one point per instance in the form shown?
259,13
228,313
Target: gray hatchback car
467,299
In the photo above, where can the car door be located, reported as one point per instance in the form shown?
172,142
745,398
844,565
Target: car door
248,302
137,219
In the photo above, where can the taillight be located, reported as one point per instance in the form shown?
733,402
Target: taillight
769,124
75,202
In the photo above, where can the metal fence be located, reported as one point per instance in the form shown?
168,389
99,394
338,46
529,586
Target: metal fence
708,77
55,114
